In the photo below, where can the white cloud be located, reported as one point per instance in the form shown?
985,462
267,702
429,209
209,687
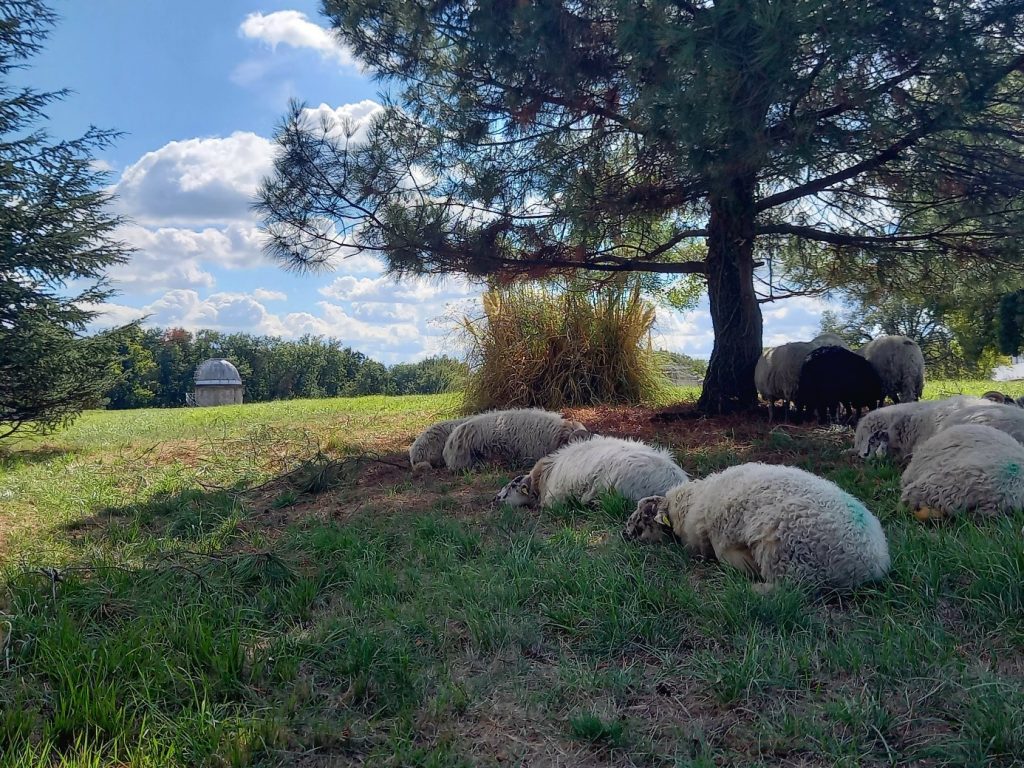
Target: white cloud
164,258
265,295
219,311
383,312
351,120
294,29
109,315
174,257
387,332
795,319
335,321
386,289
196,182
686,332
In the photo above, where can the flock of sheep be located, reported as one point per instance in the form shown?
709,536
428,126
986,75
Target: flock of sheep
773,523
824,374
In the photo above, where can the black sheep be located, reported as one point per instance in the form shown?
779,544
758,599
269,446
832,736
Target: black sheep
832,376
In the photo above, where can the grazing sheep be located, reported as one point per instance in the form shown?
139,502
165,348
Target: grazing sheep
832,376
967,468
777,373
895,429
828,340
584,470
900,366
773,523
427,450
520,436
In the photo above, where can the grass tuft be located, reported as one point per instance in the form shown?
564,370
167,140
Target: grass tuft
588,726
560,347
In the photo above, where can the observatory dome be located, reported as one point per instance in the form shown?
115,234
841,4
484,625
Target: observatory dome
217,371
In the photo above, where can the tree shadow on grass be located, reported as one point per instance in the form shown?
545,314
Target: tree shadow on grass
12,458
252,517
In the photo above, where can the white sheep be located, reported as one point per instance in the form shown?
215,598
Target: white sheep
895,429
584,470
900,365
828,340
520,436
427,450
773,523
967,468
1006,418
777,373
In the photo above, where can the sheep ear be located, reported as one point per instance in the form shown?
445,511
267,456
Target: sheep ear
662,519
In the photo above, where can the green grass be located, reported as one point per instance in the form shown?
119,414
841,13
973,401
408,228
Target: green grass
162,606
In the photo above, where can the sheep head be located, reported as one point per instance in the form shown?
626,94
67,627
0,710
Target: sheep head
518,493
649,523
877,444
579,432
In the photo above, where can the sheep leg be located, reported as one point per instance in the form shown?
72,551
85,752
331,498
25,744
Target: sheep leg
764,587
740,558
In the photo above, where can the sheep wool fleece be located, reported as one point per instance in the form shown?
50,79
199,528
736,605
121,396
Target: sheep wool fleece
586,469
968,468
795,526
427,450
518,435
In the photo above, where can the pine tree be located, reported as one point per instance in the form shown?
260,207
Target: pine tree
56,242
522,139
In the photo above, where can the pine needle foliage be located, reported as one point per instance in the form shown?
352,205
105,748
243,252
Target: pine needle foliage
560,346
58,238
522,140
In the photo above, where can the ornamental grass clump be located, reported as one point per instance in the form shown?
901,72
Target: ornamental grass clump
557,347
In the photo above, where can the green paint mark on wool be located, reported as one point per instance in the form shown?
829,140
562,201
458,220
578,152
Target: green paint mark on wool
1011,471
858,512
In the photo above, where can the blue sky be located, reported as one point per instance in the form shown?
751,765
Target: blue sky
198,88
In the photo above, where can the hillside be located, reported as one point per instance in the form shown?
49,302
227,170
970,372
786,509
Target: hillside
269,585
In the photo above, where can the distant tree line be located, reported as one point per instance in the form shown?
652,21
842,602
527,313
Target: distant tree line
158,366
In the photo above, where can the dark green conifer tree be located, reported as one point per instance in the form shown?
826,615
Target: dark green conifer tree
56,242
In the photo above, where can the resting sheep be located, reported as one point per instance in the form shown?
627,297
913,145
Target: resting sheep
968,468
900,366
584,470
895,429
1002,397
777,373
1006,418
520,436
832,376
773,523
427,450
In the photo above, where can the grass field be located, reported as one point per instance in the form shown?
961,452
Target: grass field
249,585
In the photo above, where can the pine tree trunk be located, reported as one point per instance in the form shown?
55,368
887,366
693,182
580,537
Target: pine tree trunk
735,313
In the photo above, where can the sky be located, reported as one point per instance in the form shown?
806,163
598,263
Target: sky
198,88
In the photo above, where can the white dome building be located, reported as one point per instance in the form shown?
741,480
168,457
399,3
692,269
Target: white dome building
218,383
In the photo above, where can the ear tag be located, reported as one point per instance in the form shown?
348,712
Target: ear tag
524,489
662,519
